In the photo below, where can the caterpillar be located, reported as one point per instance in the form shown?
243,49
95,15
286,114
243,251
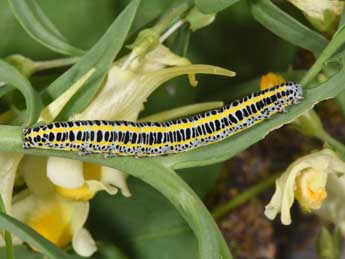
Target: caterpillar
122,138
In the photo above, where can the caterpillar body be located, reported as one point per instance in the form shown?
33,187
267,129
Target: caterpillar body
122,138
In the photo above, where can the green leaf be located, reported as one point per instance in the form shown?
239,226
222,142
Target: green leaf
100,57
11,76
39,27
341,21
341,102
287,27
214,6
5,89
31,237
22,251
6,235
334,45
328,245
158,228
108,251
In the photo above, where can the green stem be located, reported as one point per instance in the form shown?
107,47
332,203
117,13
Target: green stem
171,16
334,143
55,63
223,209
337,41
7,235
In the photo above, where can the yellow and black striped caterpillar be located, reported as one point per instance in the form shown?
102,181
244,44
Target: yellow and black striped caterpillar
122,138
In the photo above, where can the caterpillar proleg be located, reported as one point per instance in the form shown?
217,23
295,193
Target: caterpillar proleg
122,138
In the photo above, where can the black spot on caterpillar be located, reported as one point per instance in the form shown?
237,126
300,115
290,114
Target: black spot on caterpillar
122,138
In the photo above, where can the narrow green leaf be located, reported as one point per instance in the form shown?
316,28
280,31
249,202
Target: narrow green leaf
109,251
214,6
334,45
100,57
341,21
341,102
287,27
12,77
40,28
22,251
7,236
31,237
159,227
5,89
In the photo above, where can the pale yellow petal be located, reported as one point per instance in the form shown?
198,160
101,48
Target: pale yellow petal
9,163
114,178
64,172
33,171
83,243
322,14
54,217
274,206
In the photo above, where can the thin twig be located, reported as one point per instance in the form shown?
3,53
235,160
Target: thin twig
131,57
55,63
171,30
223,209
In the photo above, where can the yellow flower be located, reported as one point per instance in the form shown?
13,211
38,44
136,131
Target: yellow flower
310,189
305,180
269,80
58,219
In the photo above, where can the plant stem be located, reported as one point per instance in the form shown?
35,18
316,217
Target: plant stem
55,63
7,235
337,41
338,146
223,209
171,16
171,30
